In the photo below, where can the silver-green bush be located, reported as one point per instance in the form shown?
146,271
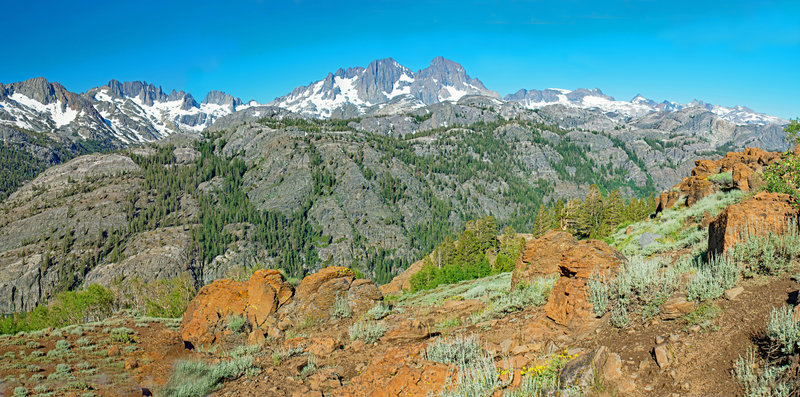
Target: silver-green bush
341,308
368,331
783,330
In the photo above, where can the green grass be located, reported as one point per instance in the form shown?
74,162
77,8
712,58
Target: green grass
671,226
525,295
703,315
484,289
198,378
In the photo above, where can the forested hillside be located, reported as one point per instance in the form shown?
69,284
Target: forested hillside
297,194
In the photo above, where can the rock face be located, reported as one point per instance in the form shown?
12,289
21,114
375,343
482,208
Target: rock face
542,256
567,304
745,169
765,213
270,304
317,293
206,318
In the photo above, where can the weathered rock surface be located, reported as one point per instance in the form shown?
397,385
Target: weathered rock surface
542,256
257,300
762,214
402,282
567,304
414,376
316,294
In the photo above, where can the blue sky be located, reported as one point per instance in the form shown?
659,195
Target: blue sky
727,53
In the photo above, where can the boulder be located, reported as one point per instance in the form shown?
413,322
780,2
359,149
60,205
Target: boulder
317,293
408,331
541,257
567,302
257,300
762,214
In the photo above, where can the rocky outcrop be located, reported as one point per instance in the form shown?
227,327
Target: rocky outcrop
765,213
316,294
270,305
542,256
745,174
206,318
567,304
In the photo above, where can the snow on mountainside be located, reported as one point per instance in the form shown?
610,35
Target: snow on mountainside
130,112
381,82
636,107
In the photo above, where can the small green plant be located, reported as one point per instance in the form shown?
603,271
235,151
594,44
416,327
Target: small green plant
620,317
33,344
236,323
63,368
722,178
83,341
20,391
41,388
377,312
121,335
340,309
367,331
760,382
457,350
33,368
703,315
310,367
62,344
283,353
713,278
783,330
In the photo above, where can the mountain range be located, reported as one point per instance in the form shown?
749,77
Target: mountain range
123,113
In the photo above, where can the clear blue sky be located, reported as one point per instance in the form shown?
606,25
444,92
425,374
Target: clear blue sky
730,52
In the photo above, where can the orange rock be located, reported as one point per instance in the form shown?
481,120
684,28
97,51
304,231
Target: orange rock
745,168
408,331
541,256
316,294
257,299
762,214
413,376
567,303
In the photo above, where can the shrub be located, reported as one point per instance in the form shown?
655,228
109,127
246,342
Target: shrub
63,368
367,331
722,178
766,382
341,308
20,391
526,295
713,278
62,344
620,317
33,344
198,378
83,341
377,312
236,323
477,372
543,379
767,252
457,350
33,368
641,286
783,330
